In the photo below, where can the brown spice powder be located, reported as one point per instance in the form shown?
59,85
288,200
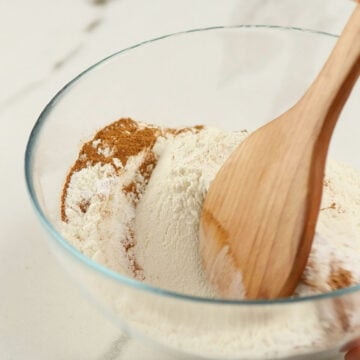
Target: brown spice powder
84,205
332,206
116,143
132,189
194,129
128,243
120,140
340,278
124,138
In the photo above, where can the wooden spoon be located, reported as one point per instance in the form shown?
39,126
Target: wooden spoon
259,215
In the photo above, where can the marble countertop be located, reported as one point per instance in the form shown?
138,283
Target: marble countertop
44,44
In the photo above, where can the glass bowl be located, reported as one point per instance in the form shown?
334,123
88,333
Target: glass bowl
230,77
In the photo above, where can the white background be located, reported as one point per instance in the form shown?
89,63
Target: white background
43,44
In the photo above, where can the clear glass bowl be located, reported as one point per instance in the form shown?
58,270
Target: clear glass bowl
231,77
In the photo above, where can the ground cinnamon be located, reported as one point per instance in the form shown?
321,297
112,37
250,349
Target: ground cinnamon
114,145
339,278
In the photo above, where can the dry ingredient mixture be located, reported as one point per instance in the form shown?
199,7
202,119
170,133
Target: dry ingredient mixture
133,198
132,202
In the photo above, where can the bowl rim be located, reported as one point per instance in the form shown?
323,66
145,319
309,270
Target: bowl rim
118,277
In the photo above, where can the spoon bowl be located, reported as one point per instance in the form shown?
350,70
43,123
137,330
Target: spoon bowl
259,215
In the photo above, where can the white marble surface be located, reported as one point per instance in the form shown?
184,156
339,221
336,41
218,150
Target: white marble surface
43,44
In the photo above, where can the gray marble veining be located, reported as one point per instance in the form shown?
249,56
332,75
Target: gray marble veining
44,44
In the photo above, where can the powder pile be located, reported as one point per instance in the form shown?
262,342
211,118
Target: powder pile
133,198
132,202
103,188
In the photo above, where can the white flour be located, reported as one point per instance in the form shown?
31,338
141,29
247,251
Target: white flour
165,223
167,216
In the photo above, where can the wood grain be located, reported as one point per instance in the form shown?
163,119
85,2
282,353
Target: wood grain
263,205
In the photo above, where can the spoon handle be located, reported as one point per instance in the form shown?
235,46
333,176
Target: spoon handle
328,94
